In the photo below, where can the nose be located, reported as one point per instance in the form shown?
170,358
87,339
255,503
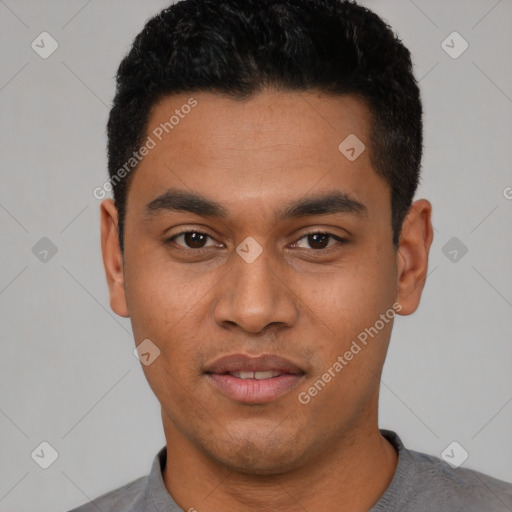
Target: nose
254,296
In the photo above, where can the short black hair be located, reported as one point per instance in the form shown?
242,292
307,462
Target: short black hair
239,47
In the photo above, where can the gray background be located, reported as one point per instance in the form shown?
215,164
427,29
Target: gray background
67,372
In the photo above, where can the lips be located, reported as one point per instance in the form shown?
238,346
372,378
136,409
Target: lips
253,380
244,363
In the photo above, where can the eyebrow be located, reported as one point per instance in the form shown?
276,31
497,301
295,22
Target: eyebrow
180,200
323,204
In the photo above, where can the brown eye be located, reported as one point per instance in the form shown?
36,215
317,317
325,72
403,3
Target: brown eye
192,240
195,240
317,241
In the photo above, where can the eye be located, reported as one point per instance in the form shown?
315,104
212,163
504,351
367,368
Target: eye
193,240
317,241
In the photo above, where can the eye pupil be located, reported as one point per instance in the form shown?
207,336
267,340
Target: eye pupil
195,240
318,240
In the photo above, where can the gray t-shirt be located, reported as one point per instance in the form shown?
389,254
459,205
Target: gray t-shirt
421,483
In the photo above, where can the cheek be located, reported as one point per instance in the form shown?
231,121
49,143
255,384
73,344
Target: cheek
353,345
161,294
169,306
353,293
349,302
172,327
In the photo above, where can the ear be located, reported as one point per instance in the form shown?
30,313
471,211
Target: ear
112,257
412,255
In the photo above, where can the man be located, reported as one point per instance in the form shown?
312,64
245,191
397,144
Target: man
264,155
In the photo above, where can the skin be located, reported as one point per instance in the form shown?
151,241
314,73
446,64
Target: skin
296,300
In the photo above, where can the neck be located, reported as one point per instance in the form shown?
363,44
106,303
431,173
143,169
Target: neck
350,477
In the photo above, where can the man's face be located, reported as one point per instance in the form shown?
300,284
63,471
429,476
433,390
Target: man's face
251,279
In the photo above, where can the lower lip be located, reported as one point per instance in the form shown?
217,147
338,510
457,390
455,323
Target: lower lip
253,391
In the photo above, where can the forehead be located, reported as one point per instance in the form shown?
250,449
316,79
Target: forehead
272,146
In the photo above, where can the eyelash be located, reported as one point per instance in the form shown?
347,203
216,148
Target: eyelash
305,235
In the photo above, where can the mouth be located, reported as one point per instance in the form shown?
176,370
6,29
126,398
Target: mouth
259,375
253,380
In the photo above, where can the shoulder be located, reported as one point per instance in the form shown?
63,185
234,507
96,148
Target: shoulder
423,483
464,488
123,499
136,496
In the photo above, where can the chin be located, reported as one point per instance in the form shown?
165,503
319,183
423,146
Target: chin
263,456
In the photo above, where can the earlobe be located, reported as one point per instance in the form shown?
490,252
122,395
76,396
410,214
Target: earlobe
112,257
412,255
